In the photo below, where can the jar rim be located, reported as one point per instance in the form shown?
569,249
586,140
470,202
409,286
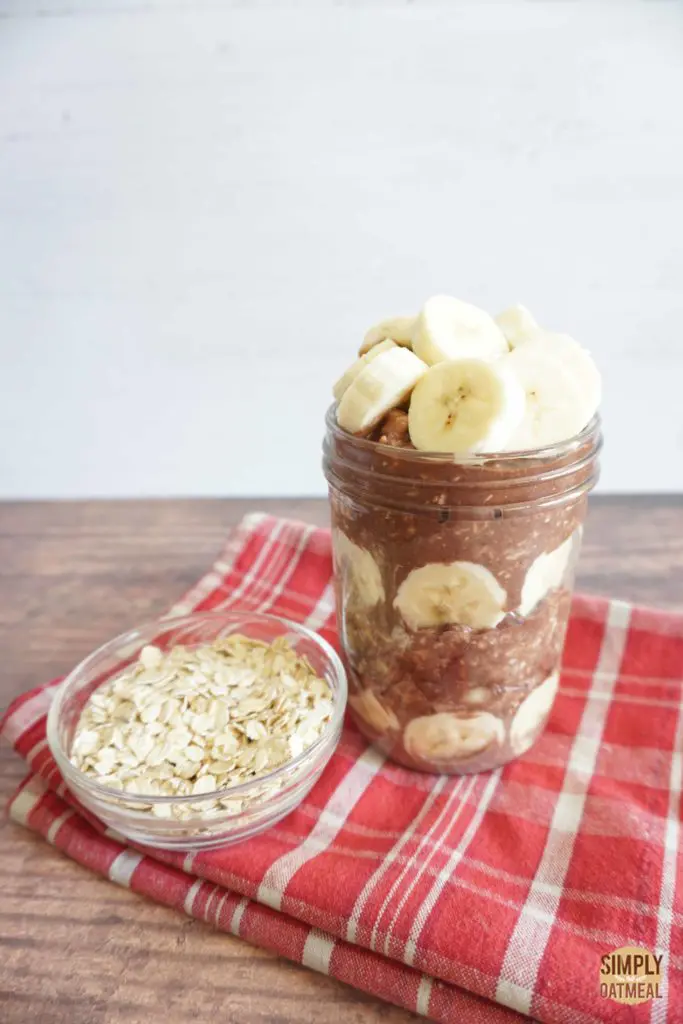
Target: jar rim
558,450
404,479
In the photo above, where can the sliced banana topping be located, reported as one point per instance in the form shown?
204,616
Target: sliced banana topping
380,385
448,328
467,405
364,573
559,403
574,358
517,324
367,707
543,575
467,408
532,713
348,377
455,592
399,328
444,737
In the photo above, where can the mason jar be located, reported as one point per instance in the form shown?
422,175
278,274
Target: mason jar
453,579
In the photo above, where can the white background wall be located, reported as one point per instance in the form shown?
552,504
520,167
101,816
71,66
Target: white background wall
203,205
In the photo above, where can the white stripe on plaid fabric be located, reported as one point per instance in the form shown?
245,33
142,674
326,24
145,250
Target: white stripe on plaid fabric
625,698
625,677
620,763
257,587
28,713
528,941
294,557
219,908
123,867
418,863
55,825
424,994
221,567
191,895
388,859
445,874
318,950
211,897
604,815
261,572
325,604
323,609
261,592
236,919
27,800
51,776
251,577
668,886
35,750
331,820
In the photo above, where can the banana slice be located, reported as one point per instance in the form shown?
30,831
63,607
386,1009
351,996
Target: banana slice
575,358
348,377
517,324
544,574
559,403
532,713
379,718
380,386
458,592
365,575
465,406
444,737
447,328
398,328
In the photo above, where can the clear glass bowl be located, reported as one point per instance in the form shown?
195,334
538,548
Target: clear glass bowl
255,805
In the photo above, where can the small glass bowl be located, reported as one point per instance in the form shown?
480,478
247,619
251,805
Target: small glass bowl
256,804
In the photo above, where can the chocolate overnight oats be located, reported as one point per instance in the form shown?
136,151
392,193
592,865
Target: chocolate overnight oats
459,456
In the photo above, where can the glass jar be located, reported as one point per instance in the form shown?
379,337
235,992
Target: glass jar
453,579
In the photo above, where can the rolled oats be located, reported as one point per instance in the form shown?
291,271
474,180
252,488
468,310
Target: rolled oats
194,721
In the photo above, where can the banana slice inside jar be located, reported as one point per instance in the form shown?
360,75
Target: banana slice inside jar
379,718
443,738
457,592
365,575
532,713
545,574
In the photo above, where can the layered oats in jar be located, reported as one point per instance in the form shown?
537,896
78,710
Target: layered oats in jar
459,455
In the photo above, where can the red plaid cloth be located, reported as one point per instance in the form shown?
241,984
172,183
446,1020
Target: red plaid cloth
471,899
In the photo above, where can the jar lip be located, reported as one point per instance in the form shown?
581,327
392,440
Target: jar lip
591,432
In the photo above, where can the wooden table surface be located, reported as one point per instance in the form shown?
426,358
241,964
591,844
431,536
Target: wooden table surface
77,949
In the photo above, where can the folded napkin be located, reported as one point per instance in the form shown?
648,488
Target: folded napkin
472,899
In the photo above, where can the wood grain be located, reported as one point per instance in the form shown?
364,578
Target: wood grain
78,950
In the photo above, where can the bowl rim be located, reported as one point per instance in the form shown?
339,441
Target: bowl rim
80,780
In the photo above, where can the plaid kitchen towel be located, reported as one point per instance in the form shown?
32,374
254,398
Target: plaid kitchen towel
474,899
